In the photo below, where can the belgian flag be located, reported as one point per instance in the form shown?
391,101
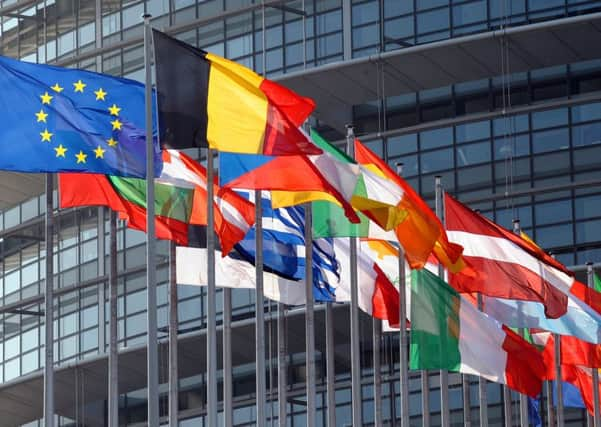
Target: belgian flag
206,100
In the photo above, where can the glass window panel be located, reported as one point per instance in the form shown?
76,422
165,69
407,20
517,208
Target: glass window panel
240,46
131,15
89,340
586,112
588,134
68,347
188,310
69,323
436,160
587,157
275,60
552,212
399,28
12,369
30,362
434,20
549,118
12,346
396,7
366,36
89,317
505,217
273,37
556,139
588,231
136,302
472,131
588,206
136,325
29,274
469,13
556,163
471,177
516,146
68,258
12,217
30,339
544,4
402,144
471,154
366,13
436,138
329,45
12,282
554,236
428,4
510,125
328,22
409,164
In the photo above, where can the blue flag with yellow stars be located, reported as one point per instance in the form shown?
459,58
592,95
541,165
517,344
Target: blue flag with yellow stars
56,119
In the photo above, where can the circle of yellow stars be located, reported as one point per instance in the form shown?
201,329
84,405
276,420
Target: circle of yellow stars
61,151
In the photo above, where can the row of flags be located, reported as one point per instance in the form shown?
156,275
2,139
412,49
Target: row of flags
73,121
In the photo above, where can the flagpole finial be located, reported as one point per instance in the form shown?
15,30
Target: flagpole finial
146,16
399,168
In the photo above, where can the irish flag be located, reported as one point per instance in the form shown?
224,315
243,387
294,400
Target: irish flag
448,332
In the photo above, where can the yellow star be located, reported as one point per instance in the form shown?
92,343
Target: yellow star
57,88
111,142
46,135
60,151
100,94
99,152
81,157
46,98
114,110
41,116
116,124
79,85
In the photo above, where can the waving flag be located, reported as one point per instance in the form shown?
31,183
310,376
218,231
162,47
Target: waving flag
206,100
58,119
421,233
284,261
180,199
448,332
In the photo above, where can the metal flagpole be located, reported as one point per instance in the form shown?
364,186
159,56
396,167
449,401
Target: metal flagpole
211,298
549,392
227,358
523,398
403,341
507,406
482,391
282,365
49,308
173,363
152,355
559,385
444,375
330,367
309,318
590,279
113,396
376,341
259,313
356,402
467,407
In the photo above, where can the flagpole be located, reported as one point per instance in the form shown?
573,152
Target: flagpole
113,389
560,420
49,308
354,310
330,367
376,340
173,362
282,365
444,375
259,313
151,298
403,341
523,398
590,280
309,318
482,391
549,391
227,358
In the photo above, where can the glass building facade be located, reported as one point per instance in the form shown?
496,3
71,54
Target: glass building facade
535,135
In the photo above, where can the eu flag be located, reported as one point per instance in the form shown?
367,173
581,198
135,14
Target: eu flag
66,120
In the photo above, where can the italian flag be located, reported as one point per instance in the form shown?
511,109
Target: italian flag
448,332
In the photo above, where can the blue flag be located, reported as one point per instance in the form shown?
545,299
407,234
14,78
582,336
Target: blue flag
571,395
66,120
284,249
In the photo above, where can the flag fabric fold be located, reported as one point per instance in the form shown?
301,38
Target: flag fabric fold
180,200
224,105
507,266
70,120
448,332
421,232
